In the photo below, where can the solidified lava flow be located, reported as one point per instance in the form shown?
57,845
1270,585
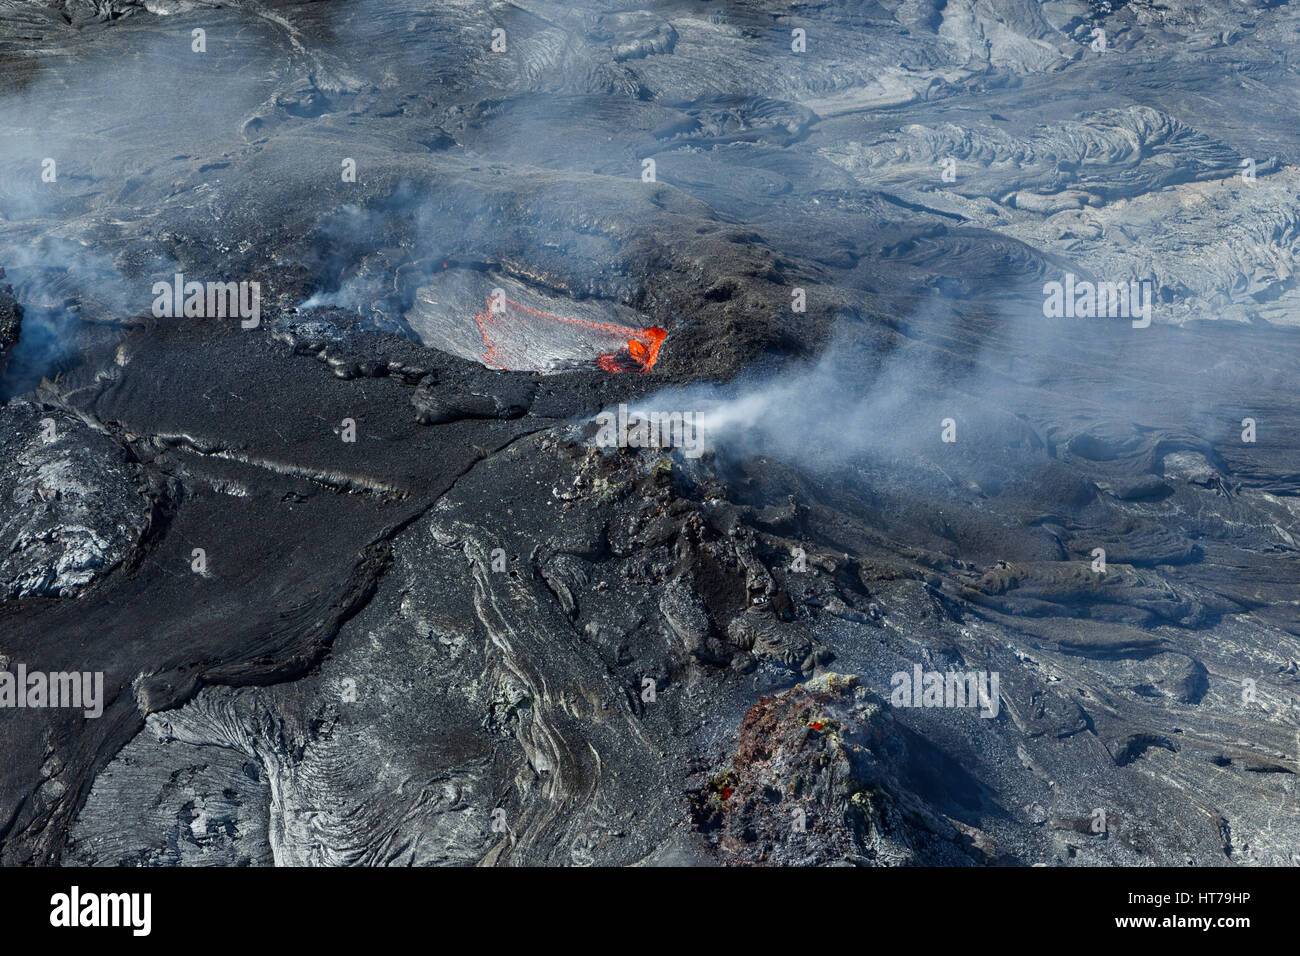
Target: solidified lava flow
972,569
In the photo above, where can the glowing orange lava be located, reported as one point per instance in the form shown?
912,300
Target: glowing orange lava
619,348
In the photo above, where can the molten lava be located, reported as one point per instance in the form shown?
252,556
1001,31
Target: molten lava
515,336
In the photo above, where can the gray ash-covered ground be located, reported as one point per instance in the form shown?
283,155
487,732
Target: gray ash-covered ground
360,599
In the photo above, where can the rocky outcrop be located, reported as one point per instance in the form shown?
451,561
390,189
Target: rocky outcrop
821,776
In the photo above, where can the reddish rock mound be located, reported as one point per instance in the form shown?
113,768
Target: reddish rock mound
822,774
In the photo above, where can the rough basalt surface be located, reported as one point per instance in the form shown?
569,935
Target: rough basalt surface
11,320
360,599
74,509
823,775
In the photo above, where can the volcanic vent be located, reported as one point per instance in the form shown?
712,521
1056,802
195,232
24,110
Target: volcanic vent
506,325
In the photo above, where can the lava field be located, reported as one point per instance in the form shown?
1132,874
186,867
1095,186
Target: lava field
679,433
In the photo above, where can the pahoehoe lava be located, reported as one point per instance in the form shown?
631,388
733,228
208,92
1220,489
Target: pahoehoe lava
365,584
